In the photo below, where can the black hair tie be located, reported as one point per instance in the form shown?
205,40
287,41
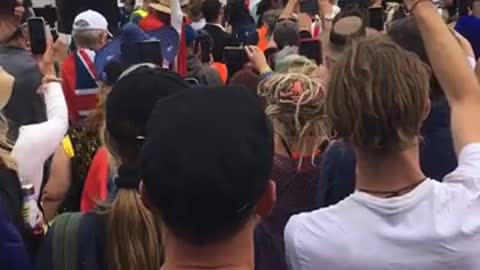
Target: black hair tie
128,178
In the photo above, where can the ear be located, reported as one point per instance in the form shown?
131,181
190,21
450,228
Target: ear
267,201
427,109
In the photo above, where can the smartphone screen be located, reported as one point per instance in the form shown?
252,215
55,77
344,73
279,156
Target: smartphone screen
235,59
235,55
312,49
375,18
38,36
150,52
309,6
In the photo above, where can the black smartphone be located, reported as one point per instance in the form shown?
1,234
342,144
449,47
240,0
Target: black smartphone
38,35
312,49
235,59
151,52
235,55
309,6
376,18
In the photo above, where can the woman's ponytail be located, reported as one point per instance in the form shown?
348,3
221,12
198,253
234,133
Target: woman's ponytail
134,238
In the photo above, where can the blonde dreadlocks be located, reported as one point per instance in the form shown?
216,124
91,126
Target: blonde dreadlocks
296,107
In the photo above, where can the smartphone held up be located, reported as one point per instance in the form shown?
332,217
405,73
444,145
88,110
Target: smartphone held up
38,35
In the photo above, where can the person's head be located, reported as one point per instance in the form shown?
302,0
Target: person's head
202,44
286,34
133,238
212,11
206,164
250,81
90,30
405,33
348,25
270,19
475,8
161,9
10,20
295,63
296,107
190,37
195,10
378,97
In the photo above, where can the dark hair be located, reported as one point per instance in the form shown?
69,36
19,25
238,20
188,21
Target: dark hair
206,162
211,9
406,34
250,81
7,7
130,103
286,34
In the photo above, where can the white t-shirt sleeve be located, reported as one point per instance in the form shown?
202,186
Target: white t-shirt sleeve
293,261
468,170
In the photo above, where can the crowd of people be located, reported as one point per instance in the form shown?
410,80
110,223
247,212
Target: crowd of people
210,134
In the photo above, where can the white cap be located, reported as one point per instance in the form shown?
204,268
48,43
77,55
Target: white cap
90,20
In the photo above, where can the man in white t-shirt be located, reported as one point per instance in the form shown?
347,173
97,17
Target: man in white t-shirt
398,218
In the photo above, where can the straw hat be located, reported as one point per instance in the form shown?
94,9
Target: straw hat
6,87
161,6
342,32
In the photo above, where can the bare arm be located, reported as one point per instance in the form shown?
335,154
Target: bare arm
289,9
451,67
58,184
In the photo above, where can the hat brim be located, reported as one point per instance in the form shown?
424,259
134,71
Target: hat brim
6,87
161,8
334,52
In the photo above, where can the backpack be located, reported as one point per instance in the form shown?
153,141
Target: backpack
74,242
65,241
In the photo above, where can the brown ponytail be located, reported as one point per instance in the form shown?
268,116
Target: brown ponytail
133,237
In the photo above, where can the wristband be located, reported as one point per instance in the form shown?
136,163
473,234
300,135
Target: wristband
410,10
50,79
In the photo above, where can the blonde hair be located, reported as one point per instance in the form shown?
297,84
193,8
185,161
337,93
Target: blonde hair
377,96
295,64
296,107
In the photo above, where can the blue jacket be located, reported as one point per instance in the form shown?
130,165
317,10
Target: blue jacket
437,157
13,254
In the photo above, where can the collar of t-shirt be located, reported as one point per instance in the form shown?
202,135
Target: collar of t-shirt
397,204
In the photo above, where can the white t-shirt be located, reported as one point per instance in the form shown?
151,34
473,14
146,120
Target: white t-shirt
434,227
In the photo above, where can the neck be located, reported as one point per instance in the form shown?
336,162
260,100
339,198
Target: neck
388,172
310,146
17,43
217,21
328,9
232,254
